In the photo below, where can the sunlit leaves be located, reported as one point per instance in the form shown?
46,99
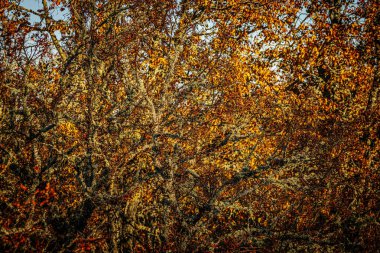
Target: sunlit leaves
190,126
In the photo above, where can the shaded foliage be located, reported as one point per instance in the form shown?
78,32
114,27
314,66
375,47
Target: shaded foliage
189,126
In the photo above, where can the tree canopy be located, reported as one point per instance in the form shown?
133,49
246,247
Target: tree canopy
189,126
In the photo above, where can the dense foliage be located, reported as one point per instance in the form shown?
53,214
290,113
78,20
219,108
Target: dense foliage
190,125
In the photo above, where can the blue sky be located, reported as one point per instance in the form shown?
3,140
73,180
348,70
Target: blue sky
37,4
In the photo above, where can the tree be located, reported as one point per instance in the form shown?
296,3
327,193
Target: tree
190,126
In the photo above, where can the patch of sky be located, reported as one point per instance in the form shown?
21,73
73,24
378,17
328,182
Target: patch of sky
36,6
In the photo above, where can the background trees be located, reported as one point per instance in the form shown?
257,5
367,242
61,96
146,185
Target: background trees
190,126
